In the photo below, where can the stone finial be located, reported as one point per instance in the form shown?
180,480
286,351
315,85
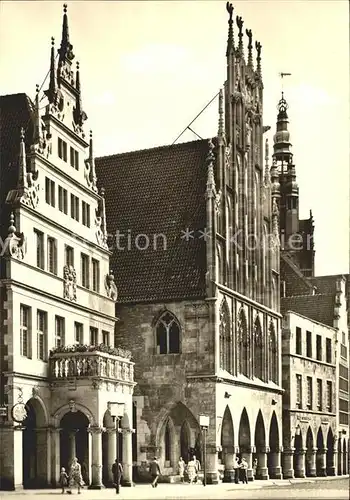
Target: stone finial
230,40
250,47
240,22
267,178
12,227
258,47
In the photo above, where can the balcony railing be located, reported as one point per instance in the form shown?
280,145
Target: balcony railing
91,361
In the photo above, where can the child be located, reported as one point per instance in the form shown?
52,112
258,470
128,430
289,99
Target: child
63,479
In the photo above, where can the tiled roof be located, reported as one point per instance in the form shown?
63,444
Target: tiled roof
157,191
317,307
15,112
327,284
296,283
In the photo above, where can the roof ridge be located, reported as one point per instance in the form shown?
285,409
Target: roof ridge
311,295
152,149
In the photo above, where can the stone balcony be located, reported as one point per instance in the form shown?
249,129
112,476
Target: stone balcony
85,362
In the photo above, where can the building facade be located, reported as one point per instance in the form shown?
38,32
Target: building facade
309,402
60,367
196,260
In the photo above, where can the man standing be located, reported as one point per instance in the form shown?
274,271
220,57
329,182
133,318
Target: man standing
236,467
197,466
117,471
155,472
244,468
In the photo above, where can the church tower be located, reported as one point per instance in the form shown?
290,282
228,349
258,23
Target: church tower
296,235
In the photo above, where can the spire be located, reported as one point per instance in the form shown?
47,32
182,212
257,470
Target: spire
52,90
230,40
22,163
36,116
92,165
275,217
221,130
66,49
267,178
78,114
258,47
281,141
211,189
239,22
250,47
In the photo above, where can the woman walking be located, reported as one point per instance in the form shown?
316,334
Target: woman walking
181,469
75,477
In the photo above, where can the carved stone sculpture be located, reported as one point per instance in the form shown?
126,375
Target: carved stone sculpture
69,283
110,286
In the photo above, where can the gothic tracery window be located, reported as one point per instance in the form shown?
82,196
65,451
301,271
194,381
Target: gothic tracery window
273,361
243,344
258,350
168,334
225,338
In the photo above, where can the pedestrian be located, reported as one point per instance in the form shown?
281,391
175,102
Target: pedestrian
236,468
181,469
75,477
191,470
155,472
255,466
63,479
117,471
244,469
198,467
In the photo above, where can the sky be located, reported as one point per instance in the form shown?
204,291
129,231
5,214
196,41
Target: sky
148,68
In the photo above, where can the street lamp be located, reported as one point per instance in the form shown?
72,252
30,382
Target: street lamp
204,425
117,411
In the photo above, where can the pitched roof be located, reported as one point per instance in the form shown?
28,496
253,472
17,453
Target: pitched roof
157,191
327,284
15,113
296,283
317,307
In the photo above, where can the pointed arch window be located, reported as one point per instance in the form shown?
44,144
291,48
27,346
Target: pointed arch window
243,344
273,361
258,350
168,334
225,338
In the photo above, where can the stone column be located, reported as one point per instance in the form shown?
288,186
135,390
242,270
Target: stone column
12,461
212,464
274,464
288,469
332,466
96,465
55,456
111,452
248,456
321,469
126,459
300,463
262,470
310,465
72,447
229,456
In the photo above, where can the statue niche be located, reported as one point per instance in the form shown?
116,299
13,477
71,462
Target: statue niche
69,283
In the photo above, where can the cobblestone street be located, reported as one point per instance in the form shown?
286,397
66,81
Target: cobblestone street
321,488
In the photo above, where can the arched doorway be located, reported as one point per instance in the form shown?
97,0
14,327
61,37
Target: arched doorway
244,441
330,454
274,456
178,435
35,447
310,464
74,441
227,446
298,457
320,456
345,458
260,446
185,440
